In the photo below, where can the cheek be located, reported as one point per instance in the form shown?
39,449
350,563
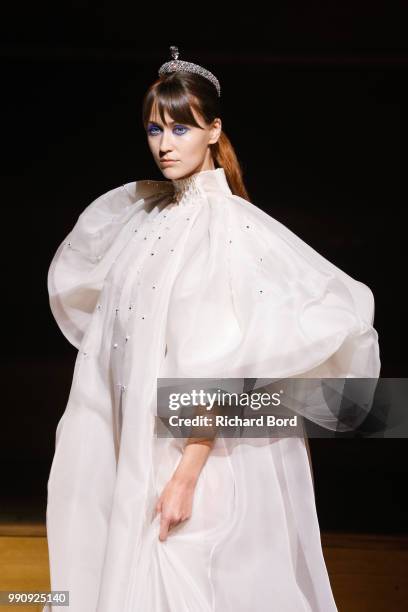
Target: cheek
194,144
154,145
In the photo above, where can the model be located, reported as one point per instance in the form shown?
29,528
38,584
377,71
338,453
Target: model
185,277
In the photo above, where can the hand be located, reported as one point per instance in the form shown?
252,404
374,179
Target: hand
175,504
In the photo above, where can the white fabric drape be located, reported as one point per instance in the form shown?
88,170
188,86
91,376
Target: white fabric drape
184,279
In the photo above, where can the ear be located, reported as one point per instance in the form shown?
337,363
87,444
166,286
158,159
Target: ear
215,131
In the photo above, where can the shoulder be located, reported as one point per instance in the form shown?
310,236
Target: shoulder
136,190
126,196
290,248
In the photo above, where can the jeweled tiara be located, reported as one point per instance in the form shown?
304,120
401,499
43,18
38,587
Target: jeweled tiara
175,65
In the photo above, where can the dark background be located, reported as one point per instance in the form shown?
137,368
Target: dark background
314,100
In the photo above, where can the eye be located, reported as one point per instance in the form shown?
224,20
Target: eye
151,129
181,127
179,130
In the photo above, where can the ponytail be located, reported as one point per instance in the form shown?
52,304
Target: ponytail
224,156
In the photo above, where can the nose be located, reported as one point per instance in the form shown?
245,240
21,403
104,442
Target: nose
165,143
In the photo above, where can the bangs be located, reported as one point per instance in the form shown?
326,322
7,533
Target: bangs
173,99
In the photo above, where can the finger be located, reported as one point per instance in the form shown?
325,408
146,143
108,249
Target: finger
158,507
174,522
164,528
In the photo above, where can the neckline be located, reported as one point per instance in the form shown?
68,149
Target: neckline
199,184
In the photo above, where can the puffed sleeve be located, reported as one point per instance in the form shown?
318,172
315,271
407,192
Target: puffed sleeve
255,301
80,265
312,321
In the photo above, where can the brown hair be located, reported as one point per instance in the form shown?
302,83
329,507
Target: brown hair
176,93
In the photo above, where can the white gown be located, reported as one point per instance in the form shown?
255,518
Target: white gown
184,279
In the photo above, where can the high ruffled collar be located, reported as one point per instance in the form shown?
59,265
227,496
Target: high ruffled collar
200,183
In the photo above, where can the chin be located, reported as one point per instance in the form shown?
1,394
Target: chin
172,172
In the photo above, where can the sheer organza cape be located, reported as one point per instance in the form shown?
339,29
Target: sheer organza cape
207,286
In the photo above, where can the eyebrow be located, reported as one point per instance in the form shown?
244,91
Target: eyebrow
155,122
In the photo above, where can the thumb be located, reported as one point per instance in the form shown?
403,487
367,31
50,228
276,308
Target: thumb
164,528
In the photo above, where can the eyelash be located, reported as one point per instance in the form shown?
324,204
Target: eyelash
149,131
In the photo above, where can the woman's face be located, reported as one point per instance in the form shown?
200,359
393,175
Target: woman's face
186,145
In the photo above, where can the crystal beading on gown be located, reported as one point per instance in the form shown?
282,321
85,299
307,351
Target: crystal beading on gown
230,292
